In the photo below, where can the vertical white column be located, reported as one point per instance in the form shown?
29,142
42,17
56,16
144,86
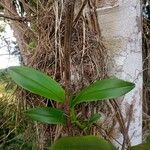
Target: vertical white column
121,30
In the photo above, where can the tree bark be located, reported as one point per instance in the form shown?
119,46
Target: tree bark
71,49
121,29
17,25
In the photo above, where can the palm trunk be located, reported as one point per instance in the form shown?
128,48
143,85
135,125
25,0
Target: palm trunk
121,29
68,45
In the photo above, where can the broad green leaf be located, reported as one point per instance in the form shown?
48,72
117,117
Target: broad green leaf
46,115
82,143
103,89
37,83
145,146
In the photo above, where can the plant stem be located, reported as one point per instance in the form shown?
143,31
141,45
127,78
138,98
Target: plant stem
70,4
74,119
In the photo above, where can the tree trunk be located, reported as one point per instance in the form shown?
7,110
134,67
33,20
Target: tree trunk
47,41
121,30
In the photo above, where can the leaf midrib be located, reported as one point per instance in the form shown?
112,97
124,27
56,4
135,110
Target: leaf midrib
48,116
52,119
101,90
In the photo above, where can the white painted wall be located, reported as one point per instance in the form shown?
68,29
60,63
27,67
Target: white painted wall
121,30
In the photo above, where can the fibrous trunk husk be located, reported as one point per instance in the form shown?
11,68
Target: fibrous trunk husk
45,40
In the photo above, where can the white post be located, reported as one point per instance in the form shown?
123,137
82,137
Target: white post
121,30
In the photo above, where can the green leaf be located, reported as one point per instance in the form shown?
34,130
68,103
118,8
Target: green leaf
82,143
145,146
94,118
103,89
37,83
46,115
